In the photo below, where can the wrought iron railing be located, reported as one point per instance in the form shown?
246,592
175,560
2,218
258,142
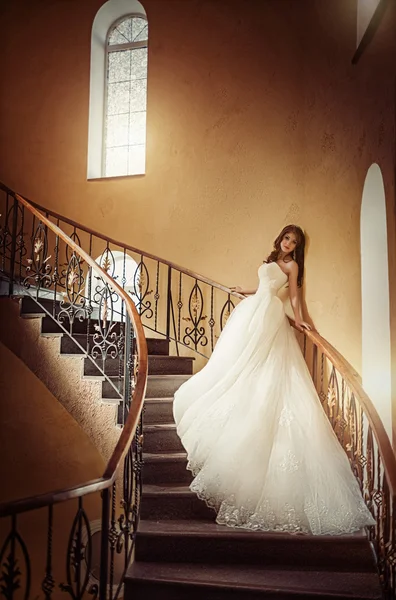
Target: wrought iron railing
191,310
361,433
40,260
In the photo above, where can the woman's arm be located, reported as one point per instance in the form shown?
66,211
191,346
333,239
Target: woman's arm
247,292
295,297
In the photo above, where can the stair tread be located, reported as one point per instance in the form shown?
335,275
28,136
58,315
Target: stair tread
346,585
167,399
161,377
163,456
167,489
160,427
210,528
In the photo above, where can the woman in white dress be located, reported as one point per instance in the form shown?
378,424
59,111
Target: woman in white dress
261,449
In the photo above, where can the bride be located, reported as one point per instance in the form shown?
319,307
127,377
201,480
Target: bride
260,447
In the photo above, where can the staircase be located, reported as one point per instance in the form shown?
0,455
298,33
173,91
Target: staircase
182,554
180,551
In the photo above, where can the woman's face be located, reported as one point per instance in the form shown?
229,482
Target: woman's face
288,243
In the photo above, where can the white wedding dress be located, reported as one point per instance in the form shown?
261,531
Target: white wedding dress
259,444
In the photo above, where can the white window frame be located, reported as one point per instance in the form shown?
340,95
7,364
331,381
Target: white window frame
111,12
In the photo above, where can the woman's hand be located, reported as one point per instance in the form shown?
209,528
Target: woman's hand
237,288
301,325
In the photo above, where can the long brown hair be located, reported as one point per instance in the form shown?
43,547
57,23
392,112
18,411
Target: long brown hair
297,254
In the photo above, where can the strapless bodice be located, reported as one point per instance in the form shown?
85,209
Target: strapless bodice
271,277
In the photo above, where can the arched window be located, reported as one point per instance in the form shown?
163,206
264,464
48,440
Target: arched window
118,90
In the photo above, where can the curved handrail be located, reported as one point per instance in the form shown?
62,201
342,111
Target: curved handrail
345,368
110,240
353,379
128,431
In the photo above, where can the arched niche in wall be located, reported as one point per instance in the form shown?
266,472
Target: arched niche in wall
376,349
125,271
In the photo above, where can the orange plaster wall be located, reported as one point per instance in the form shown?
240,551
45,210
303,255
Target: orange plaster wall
45,448
42,449
256,118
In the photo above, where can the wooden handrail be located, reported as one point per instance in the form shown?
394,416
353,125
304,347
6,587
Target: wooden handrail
110,240
137,399
345,369
353,379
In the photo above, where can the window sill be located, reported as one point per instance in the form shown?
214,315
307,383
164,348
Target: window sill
113,177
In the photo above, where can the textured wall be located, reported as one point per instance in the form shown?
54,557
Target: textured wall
256,117
42,449
61,375
46,449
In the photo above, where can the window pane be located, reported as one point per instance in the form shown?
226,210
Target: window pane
138,95
118,98
139,63
137,128
117,161
122,33
139,30
125,141
137,160
120,66
117,130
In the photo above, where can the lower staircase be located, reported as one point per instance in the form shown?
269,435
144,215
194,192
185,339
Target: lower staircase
180,551
182,554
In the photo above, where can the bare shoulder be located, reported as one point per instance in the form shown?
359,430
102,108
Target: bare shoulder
291,267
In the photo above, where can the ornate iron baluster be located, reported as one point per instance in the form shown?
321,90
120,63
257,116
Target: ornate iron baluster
4,234
13,246
156,297
104,545
11,566
314,364
113,538
225,313
49,583
196,333
55,274
212,322
179,307
39,269
77,554
21,243
141,283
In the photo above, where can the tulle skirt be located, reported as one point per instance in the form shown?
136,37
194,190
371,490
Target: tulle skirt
263,453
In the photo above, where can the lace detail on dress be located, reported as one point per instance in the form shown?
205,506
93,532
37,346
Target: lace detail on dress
286,417
314,519
290,463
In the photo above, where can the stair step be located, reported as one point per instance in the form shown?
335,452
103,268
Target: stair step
158,410
201,541
158,365
29,309
164,386
158,386
68,346
161,438
175,581
166,468
161,502
50,327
